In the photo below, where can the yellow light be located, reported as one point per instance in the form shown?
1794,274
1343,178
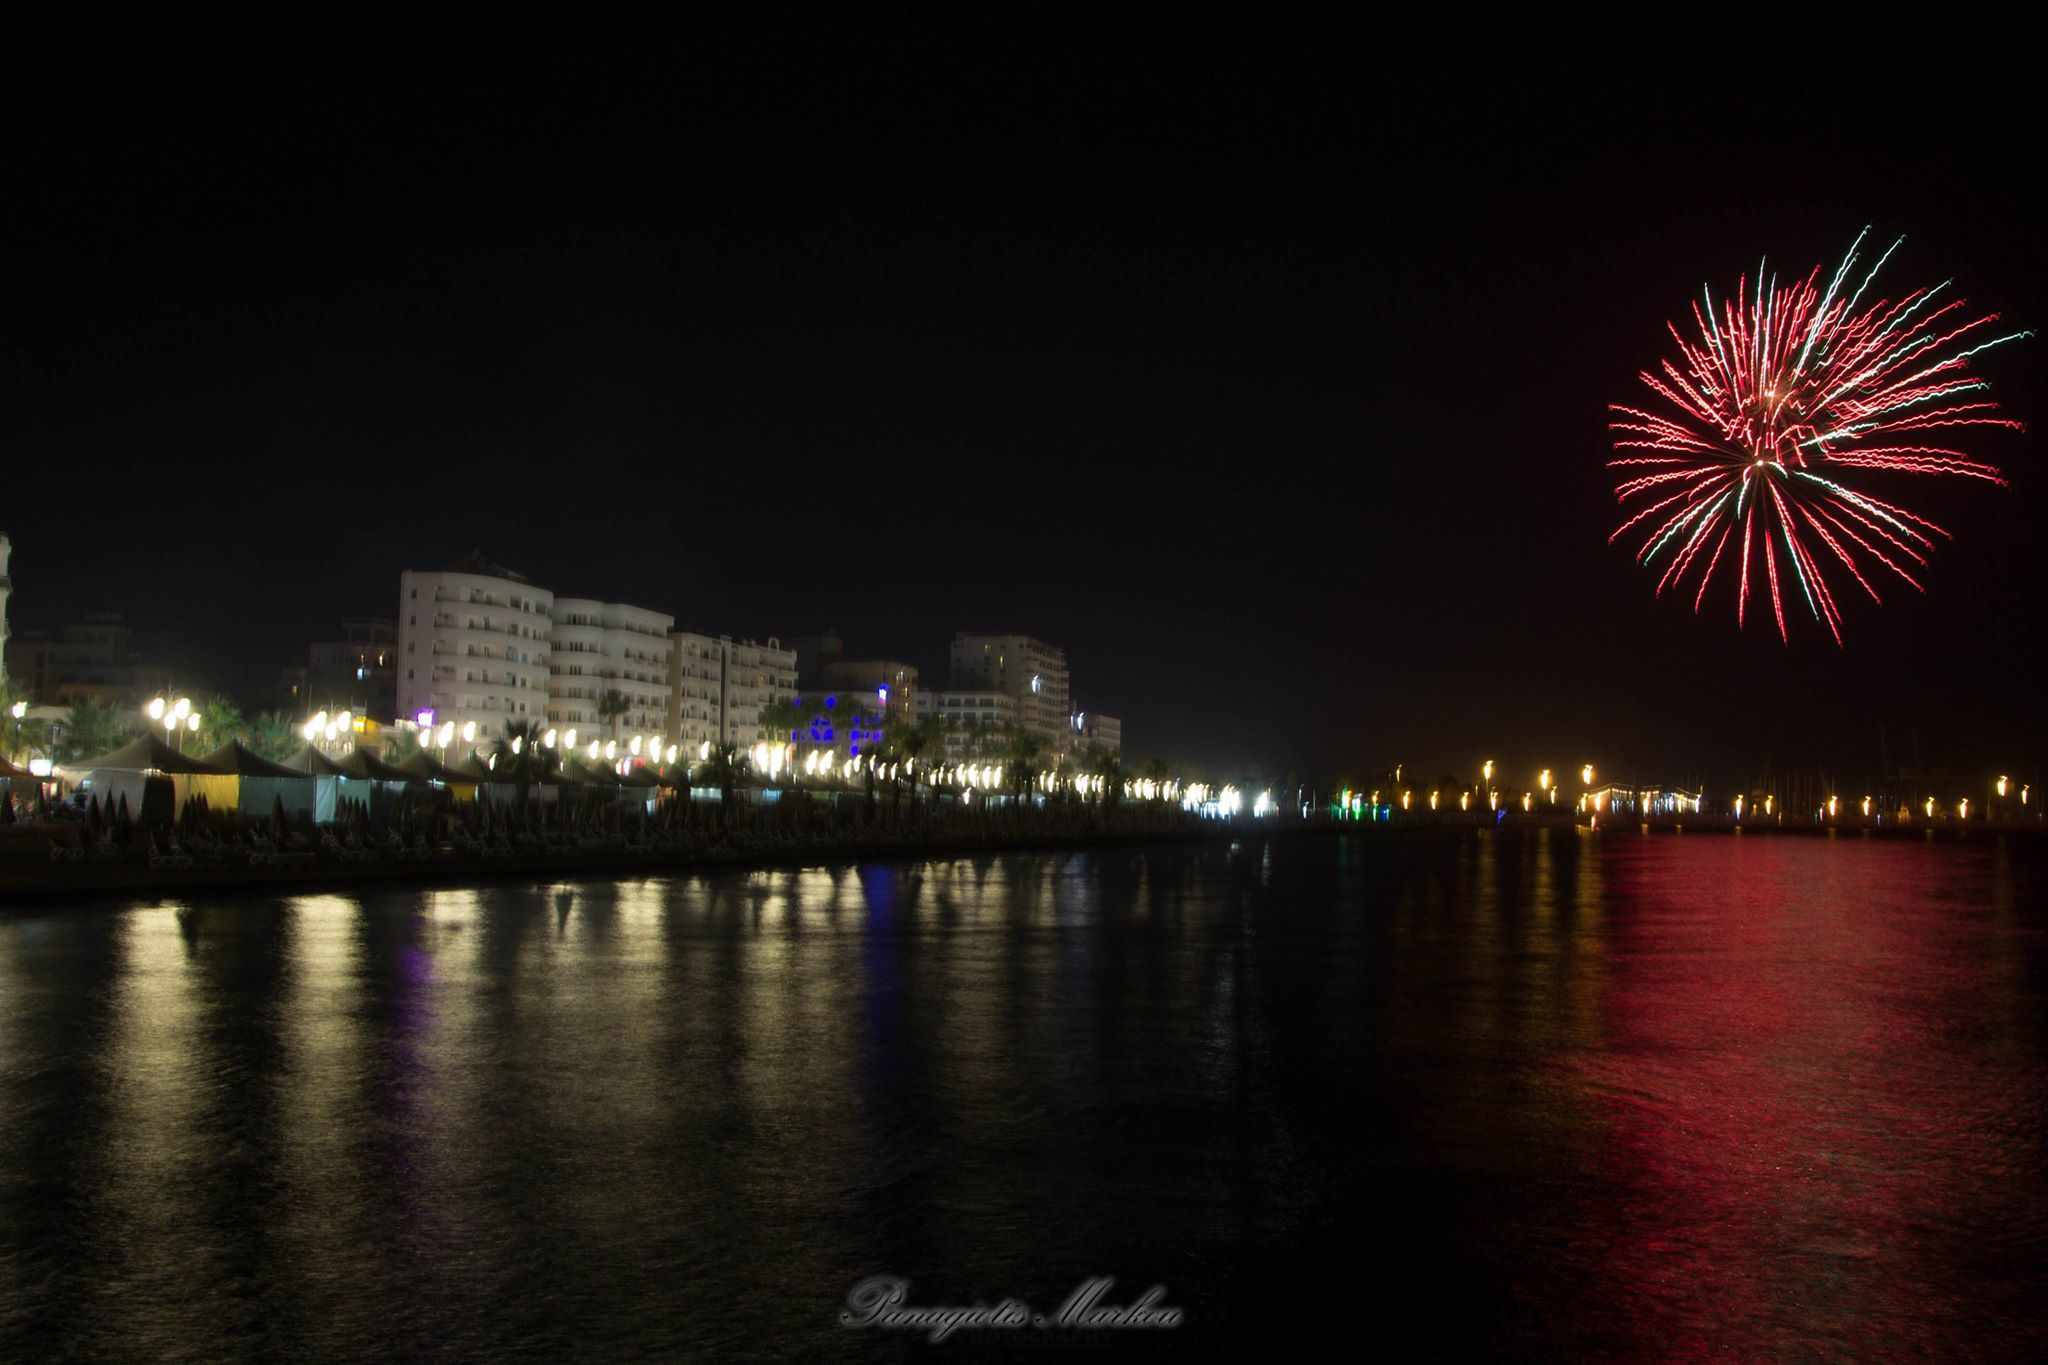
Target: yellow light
1404,800
1486,770
1432,800
1464,800
1738,808
1769,801
310,730
156,708
1543,780
1930,808
2001,788
1586,774
1963,809
1866,807
184,707
1525,801
1831,808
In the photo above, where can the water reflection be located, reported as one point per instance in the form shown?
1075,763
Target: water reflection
1602,1095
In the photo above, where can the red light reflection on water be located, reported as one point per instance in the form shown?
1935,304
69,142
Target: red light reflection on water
1814,1104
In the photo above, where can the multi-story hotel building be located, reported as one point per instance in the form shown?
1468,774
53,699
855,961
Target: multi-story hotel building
604,647
978,723
719,686
6,589
757,675
355,673
1030,671
1092,729
473,645
892,683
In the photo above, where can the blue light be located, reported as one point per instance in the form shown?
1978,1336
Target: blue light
853,748
831,702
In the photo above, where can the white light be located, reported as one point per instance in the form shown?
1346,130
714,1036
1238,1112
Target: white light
192,724
468,732
39,767
570,739
635,745
18,710
344,718
184,707
548,739
518,742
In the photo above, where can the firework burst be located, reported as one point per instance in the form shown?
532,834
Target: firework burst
1786,394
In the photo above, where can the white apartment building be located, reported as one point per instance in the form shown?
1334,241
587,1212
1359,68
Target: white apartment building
719,686
601,647
6,590
473,645
696,690
1030,671
1103,732
972,718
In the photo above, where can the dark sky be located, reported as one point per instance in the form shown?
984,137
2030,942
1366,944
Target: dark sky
1270,385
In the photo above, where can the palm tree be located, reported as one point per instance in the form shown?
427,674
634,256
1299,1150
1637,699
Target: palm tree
784,715
611,706
727,765
220,721
1020,760
916,743
97,727
272,735
521,740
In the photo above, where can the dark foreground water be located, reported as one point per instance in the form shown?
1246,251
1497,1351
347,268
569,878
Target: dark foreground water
1536,1096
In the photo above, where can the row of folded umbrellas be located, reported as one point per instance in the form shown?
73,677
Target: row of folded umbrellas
234,759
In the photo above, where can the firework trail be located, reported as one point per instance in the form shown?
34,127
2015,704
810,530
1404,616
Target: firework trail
1784,394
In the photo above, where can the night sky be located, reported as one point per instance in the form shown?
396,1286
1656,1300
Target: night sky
1270,386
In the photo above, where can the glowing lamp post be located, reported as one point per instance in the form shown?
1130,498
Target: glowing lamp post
177,717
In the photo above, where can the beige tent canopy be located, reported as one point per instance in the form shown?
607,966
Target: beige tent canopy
127,771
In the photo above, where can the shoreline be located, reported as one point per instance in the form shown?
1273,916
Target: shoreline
70,881
22,886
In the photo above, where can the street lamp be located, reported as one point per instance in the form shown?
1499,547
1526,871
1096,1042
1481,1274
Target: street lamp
177,717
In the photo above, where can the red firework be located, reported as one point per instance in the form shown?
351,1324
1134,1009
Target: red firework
1784,390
